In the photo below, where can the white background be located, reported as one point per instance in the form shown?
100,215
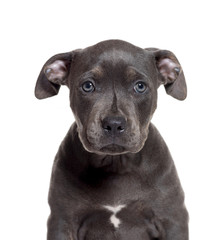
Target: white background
31,130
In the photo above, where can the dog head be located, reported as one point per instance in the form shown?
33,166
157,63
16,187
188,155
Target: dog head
113,91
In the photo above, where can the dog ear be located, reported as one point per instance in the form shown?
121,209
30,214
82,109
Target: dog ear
53,74
170,73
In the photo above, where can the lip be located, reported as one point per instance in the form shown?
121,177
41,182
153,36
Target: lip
113,148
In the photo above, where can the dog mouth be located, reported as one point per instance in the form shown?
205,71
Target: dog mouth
113,148
110,147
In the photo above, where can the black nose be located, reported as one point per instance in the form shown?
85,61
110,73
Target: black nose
114,125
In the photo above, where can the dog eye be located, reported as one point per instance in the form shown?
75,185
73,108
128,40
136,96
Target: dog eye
88,86
140,87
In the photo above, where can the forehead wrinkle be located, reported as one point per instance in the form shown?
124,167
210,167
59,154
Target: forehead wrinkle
115,56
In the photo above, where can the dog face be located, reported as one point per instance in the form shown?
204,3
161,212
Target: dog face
113,91
119,98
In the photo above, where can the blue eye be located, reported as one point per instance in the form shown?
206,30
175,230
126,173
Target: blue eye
140,87
88,86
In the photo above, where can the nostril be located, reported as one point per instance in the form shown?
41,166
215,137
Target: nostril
120,129
107,128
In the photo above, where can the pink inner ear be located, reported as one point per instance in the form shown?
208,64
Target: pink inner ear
169,69
56,71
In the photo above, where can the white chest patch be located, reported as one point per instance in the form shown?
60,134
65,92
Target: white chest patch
114,220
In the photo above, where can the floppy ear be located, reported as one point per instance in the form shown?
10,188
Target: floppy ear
53,74
170,73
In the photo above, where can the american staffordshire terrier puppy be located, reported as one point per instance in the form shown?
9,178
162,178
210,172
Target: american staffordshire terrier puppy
113,155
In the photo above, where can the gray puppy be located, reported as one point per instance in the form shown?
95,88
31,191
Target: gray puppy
113,155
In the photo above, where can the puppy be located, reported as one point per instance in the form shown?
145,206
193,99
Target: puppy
113,155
